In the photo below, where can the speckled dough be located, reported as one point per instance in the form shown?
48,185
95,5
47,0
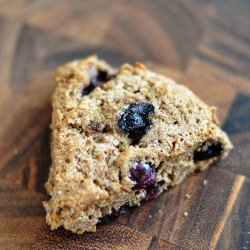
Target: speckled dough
92,156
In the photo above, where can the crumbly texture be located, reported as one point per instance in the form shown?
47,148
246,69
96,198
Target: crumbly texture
92,156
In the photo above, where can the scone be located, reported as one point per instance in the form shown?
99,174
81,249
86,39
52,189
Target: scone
120,137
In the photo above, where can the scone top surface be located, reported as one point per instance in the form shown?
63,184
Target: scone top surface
93,154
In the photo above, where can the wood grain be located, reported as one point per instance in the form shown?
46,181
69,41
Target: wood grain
230,202
203,44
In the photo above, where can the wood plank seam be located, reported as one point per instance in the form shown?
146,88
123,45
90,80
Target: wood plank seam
239,179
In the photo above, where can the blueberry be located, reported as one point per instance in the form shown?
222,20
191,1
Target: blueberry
88,89
142,108
102,76
134,124
143,174
115,213
151,192
208,150
96,81
105,219
122,210
135,120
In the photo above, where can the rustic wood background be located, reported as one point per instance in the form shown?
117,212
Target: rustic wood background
204,44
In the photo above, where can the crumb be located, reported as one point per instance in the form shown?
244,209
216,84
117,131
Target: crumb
150,216
160,211
16,151
185,214
205,182
97,118
125,144
116,142
187,196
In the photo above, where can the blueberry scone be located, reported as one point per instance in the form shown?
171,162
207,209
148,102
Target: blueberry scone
121,137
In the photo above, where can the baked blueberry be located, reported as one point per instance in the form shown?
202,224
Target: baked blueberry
152,192
143,174
115,213
88,89
208,150
142,108
96,81
135,120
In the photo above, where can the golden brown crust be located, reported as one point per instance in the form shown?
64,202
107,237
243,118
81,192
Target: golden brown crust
91,155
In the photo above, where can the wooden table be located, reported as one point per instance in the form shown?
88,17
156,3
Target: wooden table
204,44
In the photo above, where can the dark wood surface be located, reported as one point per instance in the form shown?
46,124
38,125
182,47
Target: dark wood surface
204,44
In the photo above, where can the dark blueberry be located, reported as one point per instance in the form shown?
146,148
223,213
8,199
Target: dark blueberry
152,192
88,89
134,124
105,219
135,120
122,210
160,183
96,81
143,174
208,150
114,214
142,108
102,76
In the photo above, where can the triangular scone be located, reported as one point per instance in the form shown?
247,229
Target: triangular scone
120,137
